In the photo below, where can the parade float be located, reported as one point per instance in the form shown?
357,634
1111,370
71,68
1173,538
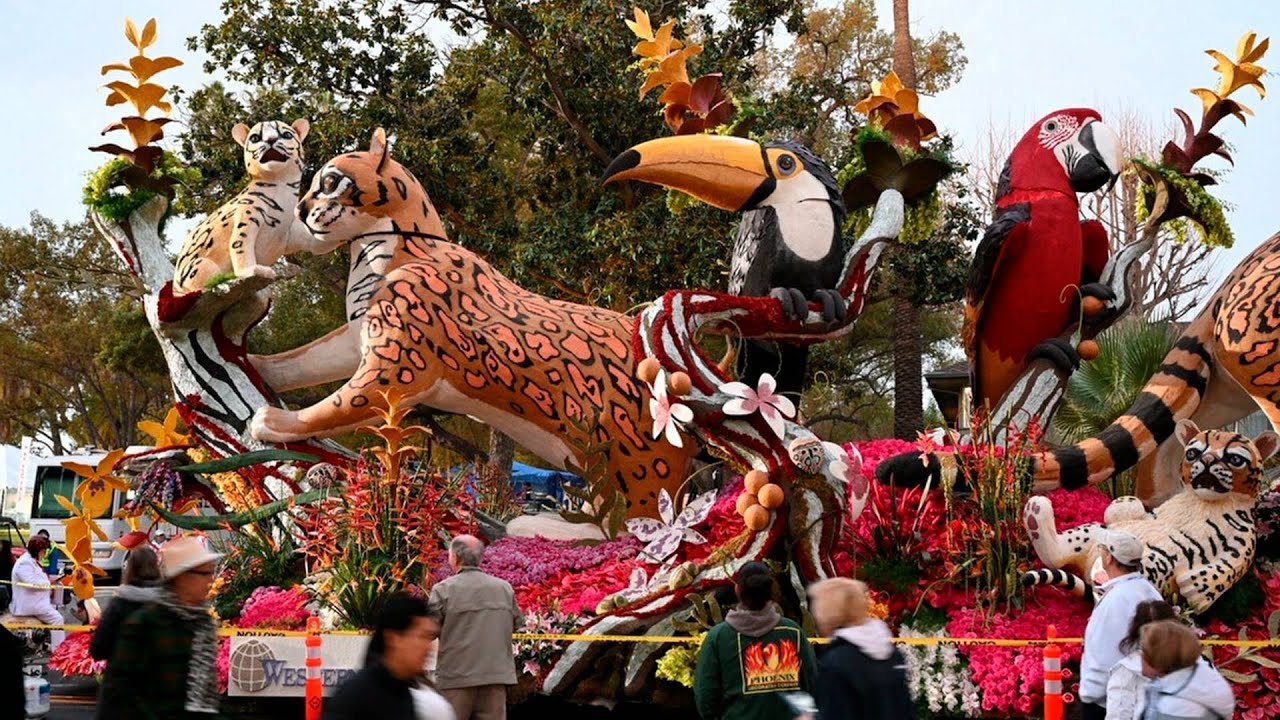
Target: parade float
960,536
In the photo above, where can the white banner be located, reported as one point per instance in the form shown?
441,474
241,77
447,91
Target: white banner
274,666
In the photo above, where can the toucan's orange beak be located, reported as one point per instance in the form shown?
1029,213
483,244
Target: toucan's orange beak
727,172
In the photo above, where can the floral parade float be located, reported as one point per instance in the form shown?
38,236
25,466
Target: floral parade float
628,401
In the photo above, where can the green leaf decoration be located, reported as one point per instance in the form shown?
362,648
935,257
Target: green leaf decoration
256,457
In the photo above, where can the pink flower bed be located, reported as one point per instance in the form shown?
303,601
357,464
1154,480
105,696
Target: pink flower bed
1012,678
525,561
274,608
72,656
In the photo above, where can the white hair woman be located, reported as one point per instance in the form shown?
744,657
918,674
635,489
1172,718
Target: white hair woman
861,674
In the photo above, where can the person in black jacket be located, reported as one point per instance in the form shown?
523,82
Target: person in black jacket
139,585
391,684
861,675
6,574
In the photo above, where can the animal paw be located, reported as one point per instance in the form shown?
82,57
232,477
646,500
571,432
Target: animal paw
262,271
794,304
273,424
1037,517
1124,509
1059,352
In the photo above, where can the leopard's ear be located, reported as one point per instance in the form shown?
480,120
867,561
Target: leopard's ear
301,127
380,147
1185,430
240,133
1267,444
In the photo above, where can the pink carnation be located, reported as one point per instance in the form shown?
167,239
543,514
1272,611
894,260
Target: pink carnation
276,609
222,666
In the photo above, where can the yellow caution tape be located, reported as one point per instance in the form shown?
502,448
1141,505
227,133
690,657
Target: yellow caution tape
663,639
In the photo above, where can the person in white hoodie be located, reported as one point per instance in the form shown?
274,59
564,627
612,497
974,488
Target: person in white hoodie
1182,685
1126,683
861,674
1125,588
31,590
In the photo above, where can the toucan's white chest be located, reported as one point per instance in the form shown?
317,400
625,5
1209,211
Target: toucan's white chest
806,225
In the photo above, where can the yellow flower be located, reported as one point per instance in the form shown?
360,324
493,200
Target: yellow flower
165,434
889,99
94,492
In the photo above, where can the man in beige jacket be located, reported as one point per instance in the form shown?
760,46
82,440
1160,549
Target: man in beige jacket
478,613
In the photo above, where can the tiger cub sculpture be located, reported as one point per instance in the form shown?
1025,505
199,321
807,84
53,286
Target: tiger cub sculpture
1199,542
248,234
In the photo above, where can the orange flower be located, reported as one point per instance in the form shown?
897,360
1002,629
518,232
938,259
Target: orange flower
889,100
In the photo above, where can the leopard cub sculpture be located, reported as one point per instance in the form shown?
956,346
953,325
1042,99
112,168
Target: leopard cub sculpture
257,227
1199,542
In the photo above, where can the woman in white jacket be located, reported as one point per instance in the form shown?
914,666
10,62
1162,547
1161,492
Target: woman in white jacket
1182,686
1126,681
31,590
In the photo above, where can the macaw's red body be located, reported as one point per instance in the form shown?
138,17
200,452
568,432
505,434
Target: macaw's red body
1036,254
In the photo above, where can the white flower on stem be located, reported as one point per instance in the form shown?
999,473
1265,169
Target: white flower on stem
666,533
772,407
667,413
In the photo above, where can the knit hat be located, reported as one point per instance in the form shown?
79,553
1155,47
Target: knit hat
183,554
1124,547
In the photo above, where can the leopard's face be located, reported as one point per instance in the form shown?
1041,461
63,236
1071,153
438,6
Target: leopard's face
336,206
1218,463
273,149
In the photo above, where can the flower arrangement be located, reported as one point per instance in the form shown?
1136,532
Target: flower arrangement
680,663
533,657
72,656
1012,678
275,608
525,561
939,676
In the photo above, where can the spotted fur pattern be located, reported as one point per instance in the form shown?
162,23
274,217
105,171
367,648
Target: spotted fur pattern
1198,543
253,230
441,327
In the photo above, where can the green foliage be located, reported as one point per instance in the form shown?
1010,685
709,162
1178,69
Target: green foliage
105,190
254,556
219,279
894,574
1104,388
1205,211
926,619
79,362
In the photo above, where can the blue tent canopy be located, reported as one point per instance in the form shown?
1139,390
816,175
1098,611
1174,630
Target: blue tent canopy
542,480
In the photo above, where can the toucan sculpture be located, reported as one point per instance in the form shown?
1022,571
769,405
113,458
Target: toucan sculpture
788,244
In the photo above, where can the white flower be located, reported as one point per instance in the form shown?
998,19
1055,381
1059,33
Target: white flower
667,414
771,406
665,535
847,464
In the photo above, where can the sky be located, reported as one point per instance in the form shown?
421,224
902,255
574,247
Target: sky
1026,58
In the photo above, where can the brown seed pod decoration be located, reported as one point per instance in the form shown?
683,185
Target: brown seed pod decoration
771,496
745,501
756,518
679,383
1092,306
647,370
755,480
1088,349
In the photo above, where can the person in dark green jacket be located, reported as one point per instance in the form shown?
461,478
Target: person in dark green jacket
163,666
752,658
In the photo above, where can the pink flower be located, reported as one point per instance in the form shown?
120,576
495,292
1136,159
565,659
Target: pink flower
72,656
274,608
771,406
667,414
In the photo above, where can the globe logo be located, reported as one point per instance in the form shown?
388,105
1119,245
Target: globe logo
246,665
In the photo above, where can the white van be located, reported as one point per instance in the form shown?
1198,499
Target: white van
47,479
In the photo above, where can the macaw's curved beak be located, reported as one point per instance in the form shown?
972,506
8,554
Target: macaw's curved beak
1101,164
727,172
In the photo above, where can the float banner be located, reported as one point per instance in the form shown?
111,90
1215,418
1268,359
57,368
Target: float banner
273,666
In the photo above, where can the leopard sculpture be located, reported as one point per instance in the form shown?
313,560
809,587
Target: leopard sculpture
248,234
1199,542
433,324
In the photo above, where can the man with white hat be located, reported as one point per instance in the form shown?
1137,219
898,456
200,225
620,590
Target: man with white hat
164,661
1126,587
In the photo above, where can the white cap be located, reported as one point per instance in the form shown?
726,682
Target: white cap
1124,547
183,554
